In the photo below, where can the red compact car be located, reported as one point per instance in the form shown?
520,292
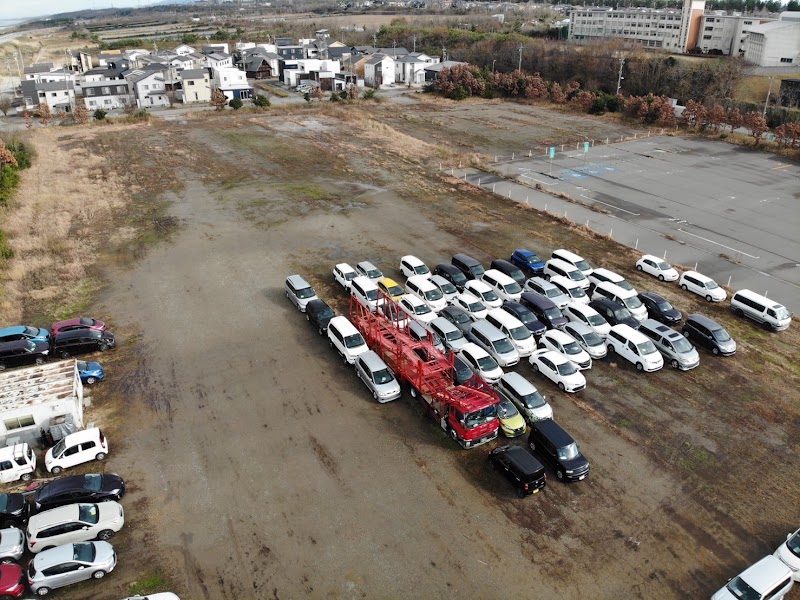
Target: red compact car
79,323
12,581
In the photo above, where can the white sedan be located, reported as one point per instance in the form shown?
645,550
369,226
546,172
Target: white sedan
416,309
558,369
471,305
652,265
567,346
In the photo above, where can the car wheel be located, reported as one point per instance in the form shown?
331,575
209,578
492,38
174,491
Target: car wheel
611,349
2,367
27,477
413,391
56,470
98,574
639,367
6,560
684,288
766,326
708,298
63,354
453,434
715,351
674,364
101,456
330,343
39,360
321,331
375,396
738,312
560,474
106,534
535,367
104,348
91,380
561,386
344,359
638,267
42,591
661,278
520,493
6,598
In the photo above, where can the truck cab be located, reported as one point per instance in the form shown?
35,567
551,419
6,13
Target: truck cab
17,462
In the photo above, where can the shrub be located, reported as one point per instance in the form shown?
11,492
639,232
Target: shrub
261,101
9,178
236,103
369,94
458,93
20,151
334,97
5,250
100,114
598,106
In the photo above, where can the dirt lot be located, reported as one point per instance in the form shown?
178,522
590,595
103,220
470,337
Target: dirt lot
259,466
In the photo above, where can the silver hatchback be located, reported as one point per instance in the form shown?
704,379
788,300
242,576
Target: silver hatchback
677,350
378,377
68,564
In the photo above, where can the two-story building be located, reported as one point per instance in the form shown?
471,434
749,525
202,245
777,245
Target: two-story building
195,86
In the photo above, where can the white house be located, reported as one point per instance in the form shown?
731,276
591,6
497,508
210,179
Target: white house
218,60
313,69
775,44
110,94
183,50
410,70
195,85
58,95
379,71
31,71
148,88
232,82
218,47
46,397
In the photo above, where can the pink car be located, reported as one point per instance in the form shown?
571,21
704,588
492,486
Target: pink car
79,323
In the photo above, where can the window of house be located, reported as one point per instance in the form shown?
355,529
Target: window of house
19,422
190,82
145,86
92,103
106,91
786,60
107,101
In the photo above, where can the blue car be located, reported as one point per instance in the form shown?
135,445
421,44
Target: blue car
90,372
528,261
38,335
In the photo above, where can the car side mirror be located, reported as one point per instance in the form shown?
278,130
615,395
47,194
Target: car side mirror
788,535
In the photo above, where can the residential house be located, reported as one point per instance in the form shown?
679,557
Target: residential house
184,50
80,63
103,58
343,80
218,60
245,46
36,69
312,69
379,71
232,82
410,70
432,71
393,52
108,95
258,66
289,53
148,88
195,86
58,95
211,48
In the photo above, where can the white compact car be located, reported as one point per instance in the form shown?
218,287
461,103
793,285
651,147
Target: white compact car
344,274
484,292
588,339
75,449
68,564
481,363
789,553
580,313
471,305
548,290
410,265
416,309
565,344
635,347
652,265
74,523
558,369
697,283
346,339
768,579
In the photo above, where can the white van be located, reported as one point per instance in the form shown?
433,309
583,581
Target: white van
494,341
516,332
424,289
365,291
75,449
697,283
761,309
573,259
634,347
570,288
556,266
503,285
600,275
347,340
627,298
17,462
410,266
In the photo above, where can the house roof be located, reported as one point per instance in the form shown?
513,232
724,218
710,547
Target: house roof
39,68
219,55
399,51
766,27
409,59
193,74
104,83
444,64
47,86
139,75
253,63
39,384
378,58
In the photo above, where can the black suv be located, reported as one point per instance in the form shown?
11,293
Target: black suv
22,352
660,309
81,341
521,468
558,449
80,488
453,274
706,332
614,312
524,314
319,314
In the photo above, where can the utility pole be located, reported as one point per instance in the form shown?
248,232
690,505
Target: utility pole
374,40
620,77
769,91
519,66
444,54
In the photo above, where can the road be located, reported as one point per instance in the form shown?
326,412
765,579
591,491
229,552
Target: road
731,210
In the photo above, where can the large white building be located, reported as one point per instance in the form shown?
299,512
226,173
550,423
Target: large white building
726,34
775,44
672,30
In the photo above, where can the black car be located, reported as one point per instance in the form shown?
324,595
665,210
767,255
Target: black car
462,371
544,310
81,341
660,309
525,315
318,313
558,449
22,352
458,317
509,269
80,488
13,510
706,332
453,274
614,312
470,267
521,468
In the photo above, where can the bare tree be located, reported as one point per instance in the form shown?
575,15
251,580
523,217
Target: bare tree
81,113
218,100
44,113
6,104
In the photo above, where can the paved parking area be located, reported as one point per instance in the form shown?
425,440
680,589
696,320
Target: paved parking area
735,211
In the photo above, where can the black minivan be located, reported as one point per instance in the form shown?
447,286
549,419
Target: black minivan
558,449
614,312
520,467
453,274
706,332
509,269
544,310
472,268
80,341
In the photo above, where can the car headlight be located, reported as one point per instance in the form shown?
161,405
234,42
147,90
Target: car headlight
570,471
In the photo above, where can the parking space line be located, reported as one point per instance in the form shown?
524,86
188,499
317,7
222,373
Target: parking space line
539,180
742,252
611,205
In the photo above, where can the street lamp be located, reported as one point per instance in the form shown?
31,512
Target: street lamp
519,67
494,61
769,91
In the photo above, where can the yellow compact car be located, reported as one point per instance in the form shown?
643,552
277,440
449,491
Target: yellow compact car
511,422
391,288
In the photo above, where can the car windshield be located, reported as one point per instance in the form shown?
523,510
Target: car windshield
87,322
305,293
633,302
372,294
577,292
461,317
32,331
503,346
781,312
353,341
721,335
453,335
93,482
553,292
489,296
516,275
664,266
83,552
350,275
513,288
448,288
534,400
479,417
646,348
664,306
525,316
325,313
506,410
382,376
395,290
59,448
624,285
576,276
487,363
82,365
592,339
583,265
374,274
552,313
596,320
88,513
533,259
3,503
621,314
421,270
681,344
520,333
711,285
422,309
568,452
793,543
458,277
740,589
476,307
567,368
434,295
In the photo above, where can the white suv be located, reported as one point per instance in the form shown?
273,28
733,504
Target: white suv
634,347
471,305
566,345
768,579
558,369
484,365
692,281
424,289
346,339
580,313
416,309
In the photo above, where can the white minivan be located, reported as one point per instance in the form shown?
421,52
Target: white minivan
75,449
572,289
634,347
573,259
17,462
556,266
628,298
516,332
346,339
424,289
761,309
365,291
697,283
503,285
